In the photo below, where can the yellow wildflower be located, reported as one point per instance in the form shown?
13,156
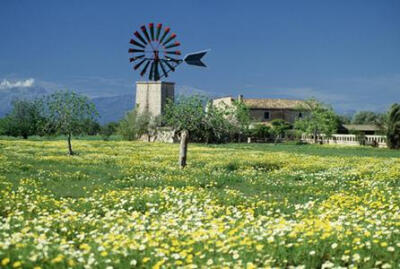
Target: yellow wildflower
5,261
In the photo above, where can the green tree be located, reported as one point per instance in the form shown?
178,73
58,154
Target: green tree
216,128
393,127
319,119
344,119
241,115
186,116
365,117
92,127
68,112
25,118
6,126
261,131
279,127
134,125
108,129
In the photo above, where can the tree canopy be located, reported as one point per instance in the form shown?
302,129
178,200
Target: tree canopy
318,119
393,127
68,113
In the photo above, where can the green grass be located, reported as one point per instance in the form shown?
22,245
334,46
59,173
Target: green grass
124,193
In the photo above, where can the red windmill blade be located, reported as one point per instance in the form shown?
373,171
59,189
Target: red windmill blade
145,69
159,26
137,34
151,27
166,31
139,64
146,34
176,52
135,50
175,44
172,36
135,43
163,69
136,58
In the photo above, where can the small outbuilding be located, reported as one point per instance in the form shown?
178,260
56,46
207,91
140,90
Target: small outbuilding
366,129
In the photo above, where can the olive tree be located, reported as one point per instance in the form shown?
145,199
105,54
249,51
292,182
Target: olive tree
319,119
25,118
186,116
68,112
279,127
134,124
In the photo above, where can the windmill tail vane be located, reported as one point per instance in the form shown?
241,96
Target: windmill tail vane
155,51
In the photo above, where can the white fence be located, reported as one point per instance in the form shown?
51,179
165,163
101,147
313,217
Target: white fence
348,139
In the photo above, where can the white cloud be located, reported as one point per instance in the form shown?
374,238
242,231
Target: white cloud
7,84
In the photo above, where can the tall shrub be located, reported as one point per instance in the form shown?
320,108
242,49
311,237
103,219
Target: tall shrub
393,127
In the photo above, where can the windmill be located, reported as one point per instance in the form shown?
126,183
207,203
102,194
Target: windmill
155,52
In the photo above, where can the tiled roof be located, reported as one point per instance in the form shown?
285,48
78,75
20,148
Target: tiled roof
273,103
361,127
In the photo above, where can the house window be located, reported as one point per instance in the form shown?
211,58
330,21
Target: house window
300,115
266,115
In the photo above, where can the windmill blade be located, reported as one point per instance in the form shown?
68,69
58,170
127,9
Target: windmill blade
137,34
195,58
145,68
163,69
139,64
133,42
172,36
169,65
175,44
176,52
151,72
166,31
146,34
135,50
136,58
159,26
151,26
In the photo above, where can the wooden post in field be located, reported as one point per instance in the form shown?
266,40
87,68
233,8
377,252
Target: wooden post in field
183,148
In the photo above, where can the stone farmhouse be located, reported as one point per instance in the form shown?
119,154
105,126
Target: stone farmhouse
265,110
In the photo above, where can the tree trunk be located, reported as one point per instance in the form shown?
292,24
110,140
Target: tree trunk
69,145
315,137
183,148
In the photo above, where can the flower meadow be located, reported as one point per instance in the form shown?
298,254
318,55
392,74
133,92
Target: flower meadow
127,204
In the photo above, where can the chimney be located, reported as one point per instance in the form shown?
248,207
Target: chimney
240,98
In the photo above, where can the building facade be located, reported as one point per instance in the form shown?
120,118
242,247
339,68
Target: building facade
267,109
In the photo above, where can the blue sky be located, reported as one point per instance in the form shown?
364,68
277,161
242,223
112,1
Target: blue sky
347,53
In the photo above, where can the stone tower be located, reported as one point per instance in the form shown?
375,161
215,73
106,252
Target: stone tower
152,96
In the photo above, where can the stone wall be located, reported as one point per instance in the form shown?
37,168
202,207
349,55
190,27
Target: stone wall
163,134
284,114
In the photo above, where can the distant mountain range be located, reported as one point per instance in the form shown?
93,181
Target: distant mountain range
110,108
8,95
113,108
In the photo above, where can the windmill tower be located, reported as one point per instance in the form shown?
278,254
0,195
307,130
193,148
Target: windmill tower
155,51
152,96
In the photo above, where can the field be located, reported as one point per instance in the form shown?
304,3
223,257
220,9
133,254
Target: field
126,204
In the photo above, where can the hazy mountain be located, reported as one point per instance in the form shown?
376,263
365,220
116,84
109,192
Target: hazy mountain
110,108
113,108
9,94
